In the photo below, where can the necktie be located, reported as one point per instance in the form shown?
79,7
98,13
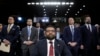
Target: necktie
58,35
72,30
89,28
29,32
8,29
51,51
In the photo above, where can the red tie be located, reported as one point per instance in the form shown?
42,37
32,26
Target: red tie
51,51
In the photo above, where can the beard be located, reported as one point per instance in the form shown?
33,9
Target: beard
88,22
50,37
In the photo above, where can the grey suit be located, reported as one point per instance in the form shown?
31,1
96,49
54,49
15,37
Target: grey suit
24,37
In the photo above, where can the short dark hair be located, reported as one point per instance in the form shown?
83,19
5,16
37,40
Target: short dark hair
13,16
70,17
1,24
49,26
29,19
84,17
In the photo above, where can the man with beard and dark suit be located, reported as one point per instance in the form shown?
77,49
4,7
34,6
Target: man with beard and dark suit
28,39
10,34
89,37
51,46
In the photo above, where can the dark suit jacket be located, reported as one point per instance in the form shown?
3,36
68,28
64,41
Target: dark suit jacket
67,35
61,36
41,34
89,38
24,36
60,48
1,35
12,35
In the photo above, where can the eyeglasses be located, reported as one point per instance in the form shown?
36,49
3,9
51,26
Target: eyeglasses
50,30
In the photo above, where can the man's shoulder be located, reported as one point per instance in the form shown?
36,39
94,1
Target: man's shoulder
34,28
60,41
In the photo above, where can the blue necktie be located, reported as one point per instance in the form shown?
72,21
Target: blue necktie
72,30
29,32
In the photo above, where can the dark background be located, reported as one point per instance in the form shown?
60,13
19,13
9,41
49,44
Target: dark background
20,8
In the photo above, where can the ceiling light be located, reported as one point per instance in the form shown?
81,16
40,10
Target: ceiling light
68,9
76,14
71,3
63,3
51,3
80,9
33,3
57,6
44,12
83,5
44,9
28,3
37,3
67,3
56,9
67,12
41,3
43,6
56,12
70,6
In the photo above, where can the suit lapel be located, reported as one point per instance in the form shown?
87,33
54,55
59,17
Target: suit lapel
57,48
26,31
69,30
45,49
10,29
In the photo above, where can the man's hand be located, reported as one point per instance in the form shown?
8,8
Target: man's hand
6,42
82,47
28,42
72,44
98,47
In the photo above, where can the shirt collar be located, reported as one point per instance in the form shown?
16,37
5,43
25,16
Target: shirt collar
71,25
11,25
29,26
88,24
51,40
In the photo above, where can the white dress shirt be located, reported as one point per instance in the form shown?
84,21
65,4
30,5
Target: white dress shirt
11,25
48,47
58,35
71,26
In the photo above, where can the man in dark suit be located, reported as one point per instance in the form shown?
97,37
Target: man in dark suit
59,35
40,31
28,38
10,34
51,46
89,37
1,26
72,37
